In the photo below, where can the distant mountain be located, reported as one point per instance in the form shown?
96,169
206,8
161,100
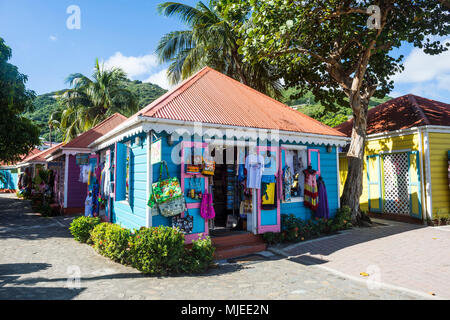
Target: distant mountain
46,104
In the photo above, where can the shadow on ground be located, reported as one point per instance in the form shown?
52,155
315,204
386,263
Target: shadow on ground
18,220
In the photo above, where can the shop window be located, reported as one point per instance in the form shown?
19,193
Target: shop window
314,159
296,159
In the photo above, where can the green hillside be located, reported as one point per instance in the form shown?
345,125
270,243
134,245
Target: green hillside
307,105
46,104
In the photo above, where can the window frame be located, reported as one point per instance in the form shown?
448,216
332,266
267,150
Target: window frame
293,147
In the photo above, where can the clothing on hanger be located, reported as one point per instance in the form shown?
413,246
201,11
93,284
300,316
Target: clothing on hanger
206,207
311,194
255,167
88,203
323,210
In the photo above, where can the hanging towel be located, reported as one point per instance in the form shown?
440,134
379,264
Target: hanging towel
268,195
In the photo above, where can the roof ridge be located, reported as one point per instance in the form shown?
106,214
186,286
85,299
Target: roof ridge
418,108
275,100
106,120
98,126
42,152
156,105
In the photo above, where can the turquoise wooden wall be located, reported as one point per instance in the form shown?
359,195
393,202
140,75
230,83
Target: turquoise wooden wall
132,214
328,170
11,179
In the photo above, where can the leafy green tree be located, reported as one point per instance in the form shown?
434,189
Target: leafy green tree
339,49
18,135
210,40
89,102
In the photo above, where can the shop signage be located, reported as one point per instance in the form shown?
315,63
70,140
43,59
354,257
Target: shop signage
82,159
156,152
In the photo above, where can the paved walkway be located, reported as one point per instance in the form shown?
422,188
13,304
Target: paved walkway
411,256
40,260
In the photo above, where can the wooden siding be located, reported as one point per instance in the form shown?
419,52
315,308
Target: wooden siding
440,193
132,214
76,190
374,147
329,174
174,171
11,179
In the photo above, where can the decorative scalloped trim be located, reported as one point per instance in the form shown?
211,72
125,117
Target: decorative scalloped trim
238,133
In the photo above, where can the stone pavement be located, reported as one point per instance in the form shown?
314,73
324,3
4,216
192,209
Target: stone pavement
40,260
400,254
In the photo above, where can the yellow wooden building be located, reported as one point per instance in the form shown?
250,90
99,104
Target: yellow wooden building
407,164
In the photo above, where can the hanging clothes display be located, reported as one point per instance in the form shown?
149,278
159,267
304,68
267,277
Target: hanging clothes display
323,211
206,208
241,164
311,194
268,195
231,184
88,206
288,180
255,167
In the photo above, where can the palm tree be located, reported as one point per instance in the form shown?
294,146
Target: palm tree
210,40
91,101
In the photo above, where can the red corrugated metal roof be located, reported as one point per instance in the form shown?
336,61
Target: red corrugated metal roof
23,158
401,113
86,138
212,97
40,157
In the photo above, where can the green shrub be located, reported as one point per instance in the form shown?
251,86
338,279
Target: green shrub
112,241
81,227
273,237
343,219
200,256
158,250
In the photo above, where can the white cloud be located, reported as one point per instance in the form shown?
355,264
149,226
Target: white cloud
53,38
395,94
160,78
421,67
133,66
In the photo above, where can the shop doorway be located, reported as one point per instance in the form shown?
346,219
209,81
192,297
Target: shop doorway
232,201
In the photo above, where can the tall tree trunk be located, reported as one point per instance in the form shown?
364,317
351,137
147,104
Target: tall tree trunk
353,185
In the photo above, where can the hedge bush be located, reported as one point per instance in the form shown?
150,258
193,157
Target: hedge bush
200,256
81,228
112,241
158,250
294,229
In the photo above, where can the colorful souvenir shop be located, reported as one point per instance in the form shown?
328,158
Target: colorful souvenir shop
241,158
73,166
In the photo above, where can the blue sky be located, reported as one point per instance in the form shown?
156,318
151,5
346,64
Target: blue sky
125,33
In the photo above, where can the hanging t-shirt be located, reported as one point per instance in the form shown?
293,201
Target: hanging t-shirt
255,167
88,206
